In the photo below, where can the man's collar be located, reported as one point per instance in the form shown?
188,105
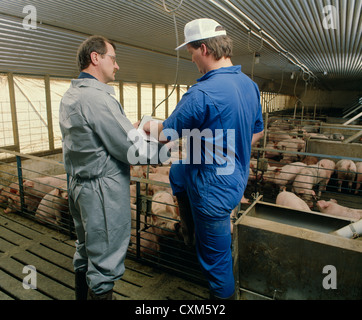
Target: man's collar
231,69
86,75
94,83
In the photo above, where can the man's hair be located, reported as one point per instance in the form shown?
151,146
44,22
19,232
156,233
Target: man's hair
220,46
91,44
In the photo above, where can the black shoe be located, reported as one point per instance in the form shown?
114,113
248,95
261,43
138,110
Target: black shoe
81,287
103,296
213,297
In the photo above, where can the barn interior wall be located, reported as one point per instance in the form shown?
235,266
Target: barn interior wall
330,99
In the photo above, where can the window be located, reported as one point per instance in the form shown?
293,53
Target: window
57,90
6,123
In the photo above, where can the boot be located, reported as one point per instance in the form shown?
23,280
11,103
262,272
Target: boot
187,221
103,296
81,287
213,297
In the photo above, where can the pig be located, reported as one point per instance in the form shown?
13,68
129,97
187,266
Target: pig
359,176
332,208
276,136
165,215
288,145
346,171
300,143
284,175
316,136
164,224
153,188
290,200
5,191
10,196
35,189
325,169
53,205
253,172
140,171
162,170
303,185
149,246
271,154
336,136
308,160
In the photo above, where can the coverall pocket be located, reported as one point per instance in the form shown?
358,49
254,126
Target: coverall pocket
223,195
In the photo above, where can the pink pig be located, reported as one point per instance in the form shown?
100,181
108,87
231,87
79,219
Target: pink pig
164,214
303,185
346,171
53,205
332,208
283,176
291,200
359,176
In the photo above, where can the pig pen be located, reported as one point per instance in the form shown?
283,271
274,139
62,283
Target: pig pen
158,265
291,254
280,252
290,156
155,239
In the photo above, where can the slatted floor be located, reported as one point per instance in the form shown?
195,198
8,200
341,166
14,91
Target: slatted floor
24,242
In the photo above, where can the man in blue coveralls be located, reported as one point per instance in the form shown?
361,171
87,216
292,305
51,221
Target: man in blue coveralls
224,107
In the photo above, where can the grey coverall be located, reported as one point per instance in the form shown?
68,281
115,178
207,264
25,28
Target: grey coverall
96,150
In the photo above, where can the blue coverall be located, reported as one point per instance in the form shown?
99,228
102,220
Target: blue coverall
227,102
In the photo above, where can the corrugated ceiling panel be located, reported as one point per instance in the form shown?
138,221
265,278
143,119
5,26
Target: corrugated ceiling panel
298,26
49,50
146,38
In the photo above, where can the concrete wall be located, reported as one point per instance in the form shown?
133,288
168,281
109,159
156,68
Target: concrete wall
330,99
335,148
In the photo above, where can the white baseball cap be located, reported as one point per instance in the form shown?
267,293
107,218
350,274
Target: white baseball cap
200,29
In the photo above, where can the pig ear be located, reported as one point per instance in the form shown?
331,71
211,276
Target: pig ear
13,191
333,200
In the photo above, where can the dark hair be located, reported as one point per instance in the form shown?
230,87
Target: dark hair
220,46
91,44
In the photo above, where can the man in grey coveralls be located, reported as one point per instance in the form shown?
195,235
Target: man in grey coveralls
96,147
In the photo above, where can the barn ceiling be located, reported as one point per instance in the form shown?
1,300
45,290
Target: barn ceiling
318,40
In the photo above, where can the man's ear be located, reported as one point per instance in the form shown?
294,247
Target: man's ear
204,50
95,57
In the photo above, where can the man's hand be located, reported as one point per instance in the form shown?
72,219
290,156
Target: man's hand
154,128
136,124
